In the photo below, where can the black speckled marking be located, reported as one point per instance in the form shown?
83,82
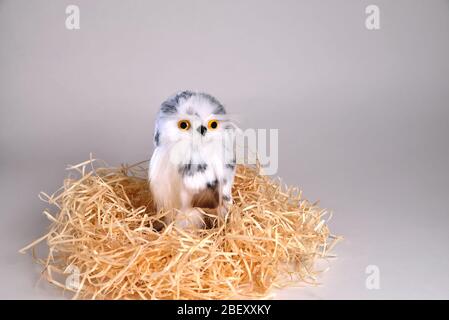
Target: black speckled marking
184,95
212,184
171,104
190,169
168,108
156,138
230,166
184,169
226,198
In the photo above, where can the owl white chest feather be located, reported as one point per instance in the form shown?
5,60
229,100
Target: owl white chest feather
168,183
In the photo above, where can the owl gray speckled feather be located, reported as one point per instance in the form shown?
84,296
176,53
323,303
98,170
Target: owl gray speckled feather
193,164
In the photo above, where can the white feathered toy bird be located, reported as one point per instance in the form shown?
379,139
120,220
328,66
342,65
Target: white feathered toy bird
193,164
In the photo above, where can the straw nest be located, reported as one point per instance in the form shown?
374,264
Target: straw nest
106,238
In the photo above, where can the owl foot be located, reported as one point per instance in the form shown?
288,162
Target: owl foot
223,212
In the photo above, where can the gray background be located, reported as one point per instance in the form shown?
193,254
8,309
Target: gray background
363,116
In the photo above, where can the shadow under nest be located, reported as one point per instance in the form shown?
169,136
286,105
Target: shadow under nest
106,232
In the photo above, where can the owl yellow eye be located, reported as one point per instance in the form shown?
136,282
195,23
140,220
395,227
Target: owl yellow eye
184,124
212,124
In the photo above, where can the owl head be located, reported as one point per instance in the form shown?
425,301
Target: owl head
190,116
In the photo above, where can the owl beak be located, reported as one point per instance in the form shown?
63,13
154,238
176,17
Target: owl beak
202,129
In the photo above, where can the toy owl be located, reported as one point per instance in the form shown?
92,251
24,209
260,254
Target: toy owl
193,164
